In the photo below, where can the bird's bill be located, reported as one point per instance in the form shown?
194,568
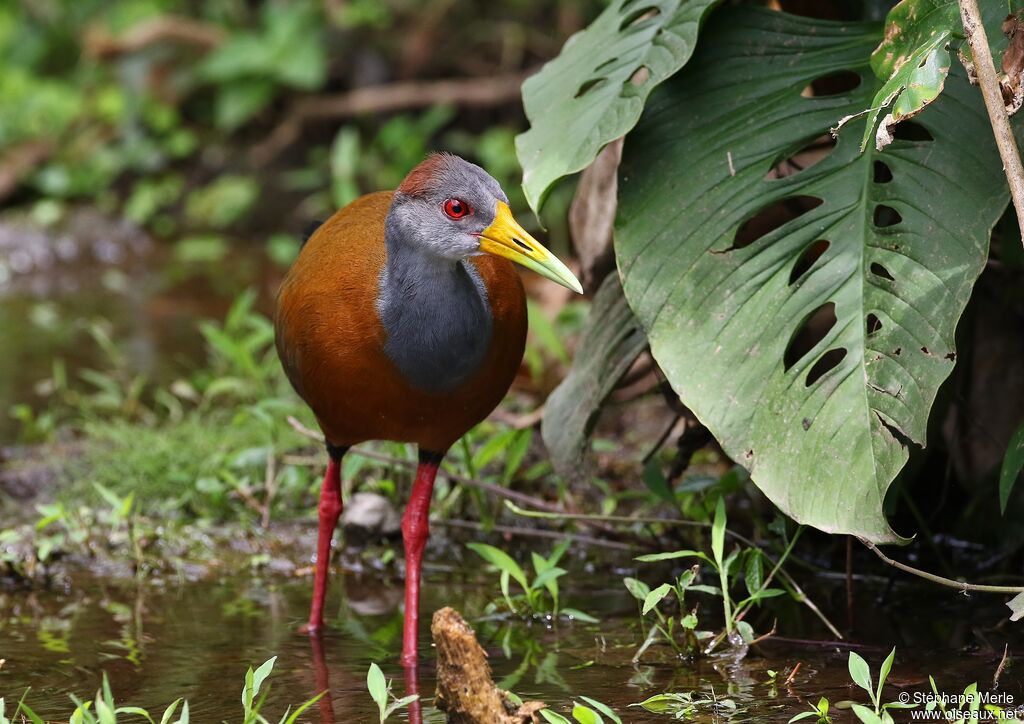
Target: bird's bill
506,238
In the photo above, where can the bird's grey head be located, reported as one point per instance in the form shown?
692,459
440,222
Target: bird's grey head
444,205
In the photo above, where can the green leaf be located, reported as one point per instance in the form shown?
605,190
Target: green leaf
866,715
638,589
1016,605
1013,463
169,712
293,717
553,717
823,431
718,535
655,557
883,673
603,708
261,674
860,672
377,685
910,26
746,631
548,579
912,60
753,574
587,96
585,715
238,101
663,703
501,560
609,344
914,85
579,615
655,597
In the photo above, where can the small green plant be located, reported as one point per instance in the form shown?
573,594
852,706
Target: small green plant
860,672
583,714
967,705
741,563
380,691
819,711
103,710
686,705
541,595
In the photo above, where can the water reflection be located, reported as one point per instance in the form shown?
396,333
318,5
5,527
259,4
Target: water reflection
158,640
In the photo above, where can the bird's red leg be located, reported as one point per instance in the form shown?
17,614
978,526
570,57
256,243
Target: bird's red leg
414,534
330,510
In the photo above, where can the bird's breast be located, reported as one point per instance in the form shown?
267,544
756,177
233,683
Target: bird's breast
437,320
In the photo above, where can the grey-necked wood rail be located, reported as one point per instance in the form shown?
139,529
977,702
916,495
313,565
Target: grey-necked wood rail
404,319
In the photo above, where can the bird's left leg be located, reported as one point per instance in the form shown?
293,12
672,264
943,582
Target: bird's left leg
329,512
414,534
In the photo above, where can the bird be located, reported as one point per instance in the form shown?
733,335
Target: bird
403,318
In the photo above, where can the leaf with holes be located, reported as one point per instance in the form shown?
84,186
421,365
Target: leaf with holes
913,60
913,85
805,312
594,91
910,26
611,342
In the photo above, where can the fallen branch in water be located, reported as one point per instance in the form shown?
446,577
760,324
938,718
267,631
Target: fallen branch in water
963,586
467,92
465,689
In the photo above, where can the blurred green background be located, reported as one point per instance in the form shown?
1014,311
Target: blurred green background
159,157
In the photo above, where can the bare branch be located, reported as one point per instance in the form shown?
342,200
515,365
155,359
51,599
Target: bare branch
472,92
992,92
948,582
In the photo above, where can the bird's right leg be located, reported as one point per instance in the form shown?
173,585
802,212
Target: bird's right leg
330,511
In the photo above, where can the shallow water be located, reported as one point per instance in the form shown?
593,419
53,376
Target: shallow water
161,639
55,281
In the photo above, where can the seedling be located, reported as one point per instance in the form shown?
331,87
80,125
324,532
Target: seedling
583,714
687,705
380,691
819,711
860,672
541,595
747,564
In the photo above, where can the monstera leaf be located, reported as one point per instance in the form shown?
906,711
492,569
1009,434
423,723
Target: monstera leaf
805,311
594,91
913,59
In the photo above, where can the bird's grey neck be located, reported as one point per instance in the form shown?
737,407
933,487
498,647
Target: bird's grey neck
435,314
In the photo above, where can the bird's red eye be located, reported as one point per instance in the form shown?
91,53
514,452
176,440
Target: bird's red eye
456,208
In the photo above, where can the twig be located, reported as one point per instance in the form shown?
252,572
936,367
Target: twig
963,586
518,421
991,91
1001,667
99,43
792,674
474,92
535,533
